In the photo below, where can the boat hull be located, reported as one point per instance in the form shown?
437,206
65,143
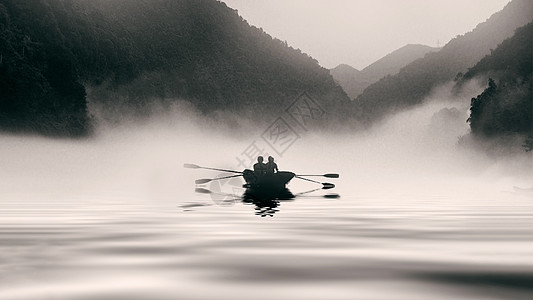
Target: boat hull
273,186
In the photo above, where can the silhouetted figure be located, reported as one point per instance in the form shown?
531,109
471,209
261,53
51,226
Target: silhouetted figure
271,166
259,167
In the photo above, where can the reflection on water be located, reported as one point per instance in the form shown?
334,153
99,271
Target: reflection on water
119,218
314,248
264,207
266,202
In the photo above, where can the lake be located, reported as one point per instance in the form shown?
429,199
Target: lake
117,217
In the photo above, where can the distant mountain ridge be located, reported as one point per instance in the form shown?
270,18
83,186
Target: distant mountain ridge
416,80
391,63
130,54
354,81
349,78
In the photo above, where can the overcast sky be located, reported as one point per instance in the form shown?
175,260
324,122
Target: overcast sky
359,32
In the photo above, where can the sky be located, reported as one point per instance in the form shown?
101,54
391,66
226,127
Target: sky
359,32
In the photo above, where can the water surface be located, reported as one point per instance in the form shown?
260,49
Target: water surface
118,218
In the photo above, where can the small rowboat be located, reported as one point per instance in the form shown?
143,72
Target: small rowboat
271,186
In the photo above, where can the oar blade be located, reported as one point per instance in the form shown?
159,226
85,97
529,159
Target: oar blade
191,166
327,186
202,191
331,175
202,181
332,196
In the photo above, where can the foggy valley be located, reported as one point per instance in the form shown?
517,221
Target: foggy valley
120,121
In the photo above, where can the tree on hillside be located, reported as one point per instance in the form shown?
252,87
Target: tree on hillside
502,110
528,144
506,107
39,87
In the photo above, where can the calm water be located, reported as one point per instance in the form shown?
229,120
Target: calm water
313,248
118,218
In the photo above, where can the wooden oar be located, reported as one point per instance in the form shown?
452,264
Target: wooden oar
325,185
202,181
329,175
329,196
306,192
206,191
202,191
193,166
332,196
307,179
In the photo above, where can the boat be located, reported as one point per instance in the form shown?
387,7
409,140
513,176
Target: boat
265,192
269,186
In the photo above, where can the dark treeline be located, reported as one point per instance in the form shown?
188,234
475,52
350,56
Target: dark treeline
128,55
415,81
39,85
506,106
133,53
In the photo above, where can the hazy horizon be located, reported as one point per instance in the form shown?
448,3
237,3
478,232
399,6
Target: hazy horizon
400,199
117,217
358,33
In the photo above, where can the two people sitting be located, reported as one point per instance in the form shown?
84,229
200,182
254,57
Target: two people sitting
262,169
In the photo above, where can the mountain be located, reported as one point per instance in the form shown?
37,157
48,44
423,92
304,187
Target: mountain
349,78
39,87
393,62
416,80
354,81
506,106
128,55
512,60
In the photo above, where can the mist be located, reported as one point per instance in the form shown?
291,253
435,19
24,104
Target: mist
106,105
119,208
417,151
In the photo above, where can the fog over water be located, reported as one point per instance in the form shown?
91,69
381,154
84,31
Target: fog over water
420,216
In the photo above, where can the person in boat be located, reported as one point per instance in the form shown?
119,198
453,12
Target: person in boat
259,167
271,166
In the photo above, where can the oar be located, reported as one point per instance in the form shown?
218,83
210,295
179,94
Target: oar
325,185
202,191
193,166
329,175
202,181
307,192
330,196
206,191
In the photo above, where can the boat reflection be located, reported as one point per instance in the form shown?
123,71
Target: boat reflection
265,202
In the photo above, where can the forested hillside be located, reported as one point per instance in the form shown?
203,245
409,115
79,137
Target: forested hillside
132,54
506,106
416,80
39,86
